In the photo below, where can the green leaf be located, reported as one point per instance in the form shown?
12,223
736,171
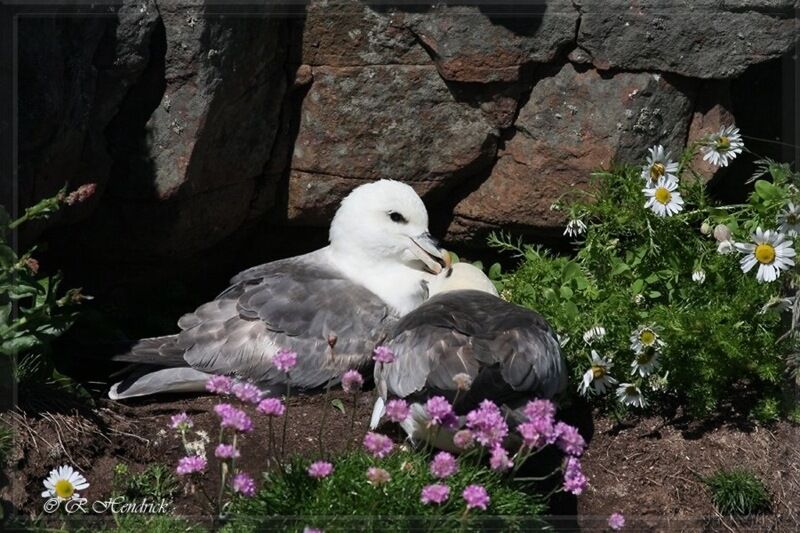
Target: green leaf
495,271
478,264
637,286
337,403
767,191
571,271
453,257
571,309
7,256
18,344
619,268
566,292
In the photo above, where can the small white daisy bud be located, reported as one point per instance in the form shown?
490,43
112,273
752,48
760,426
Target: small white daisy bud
705,228
699,276
638,299
463,381
722,233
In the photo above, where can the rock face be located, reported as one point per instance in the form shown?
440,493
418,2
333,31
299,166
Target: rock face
701,39
562,135
203,125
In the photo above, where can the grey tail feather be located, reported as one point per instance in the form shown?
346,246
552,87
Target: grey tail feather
160,351
165,380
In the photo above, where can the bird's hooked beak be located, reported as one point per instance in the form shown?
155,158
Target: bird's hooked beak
424,248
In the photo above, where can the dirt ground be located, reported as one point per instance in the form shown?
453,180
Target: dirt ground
648,469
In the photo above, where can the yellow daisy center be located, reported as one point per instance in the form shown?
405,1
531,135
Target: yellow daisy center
630,390
765,253
64,489
657,170
647,337
792,219
663,196
598,372
723,143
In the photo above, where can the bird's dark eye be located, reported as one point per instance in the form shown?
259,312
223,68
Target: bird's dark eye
397,217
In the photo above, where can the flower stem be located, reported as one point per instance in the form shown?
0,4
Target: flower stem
286,414
325,407
353,420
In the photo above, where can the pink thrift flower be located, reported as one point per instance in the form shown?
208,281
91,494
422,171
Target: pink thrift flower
476,497
284,360
352,381
540,409
378,445
487,424
538,432
443,465
439,410
308,529
464,439
271,407
378,476
219,384
226,451
247,392
191,464
569,440
436,493
233,418
81,194
499,460
397,410
244,484
181,421
616,521
320,469
382,354
574,480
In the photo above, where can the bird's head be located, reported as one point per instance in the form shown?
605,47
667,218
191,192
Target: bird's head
386,220
461,276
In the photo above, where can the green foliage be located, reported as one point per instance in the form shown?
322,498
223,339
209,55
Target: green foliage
345,501
635,269
34,310
738,492
156,482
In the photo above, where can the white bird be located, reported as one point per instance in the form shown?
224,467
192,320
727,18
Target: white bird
330,306
510,354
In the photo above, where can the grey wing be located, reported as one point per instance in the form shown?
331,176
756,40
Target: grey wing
292,305
508,351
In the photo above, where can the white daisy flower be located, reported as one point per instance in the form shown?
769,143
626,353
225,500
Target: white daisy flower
771,251
63,482
630,394
659,166
597,332
777,303
723,147
726,247
663,197
645,363
699,276
575,227
645,337
789,220
638,299
658,383
596,379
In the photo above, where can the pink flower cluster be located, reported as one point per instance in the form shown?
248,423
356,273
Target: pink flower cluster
246,392
397,410
181,422
284,360
191,464
436,493
271,407
476,497
378,476
233,418
383,354
226,451
244,484
219,385
464,439
320,469
352,381
616,521
499,460
443,465
487,424
574,480
378,445
441,412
